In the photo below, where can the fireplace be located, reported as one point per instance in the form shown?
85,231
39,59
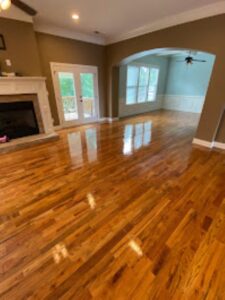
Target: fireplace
20,116
25,115
18,119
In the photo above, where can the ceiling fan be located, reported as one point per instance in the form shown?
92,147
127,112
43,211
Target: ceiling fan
5,4
189,60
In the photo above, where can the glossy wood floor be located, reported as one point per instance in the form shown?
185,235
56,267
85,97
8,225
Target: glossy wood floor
128,210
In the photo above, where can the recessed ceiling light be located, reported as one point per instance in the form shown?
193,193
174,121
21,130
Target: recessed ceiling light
5,4
75,17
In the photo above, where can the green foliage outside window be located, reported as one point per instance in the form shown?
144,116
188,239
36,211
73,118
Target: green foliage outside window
66,81
87,85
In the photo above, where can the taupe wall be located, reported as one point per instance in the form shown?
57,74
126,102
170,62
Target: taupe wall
221,132
21,47
206,35
31,54
64,50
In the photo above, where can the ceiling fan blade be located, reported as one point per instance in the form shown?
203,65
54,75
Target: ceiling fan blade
199,60
23,6
180,60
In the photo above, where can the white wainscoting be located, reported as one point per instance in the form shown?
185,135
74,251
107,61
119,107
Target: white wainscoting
140,108
168,102
184,103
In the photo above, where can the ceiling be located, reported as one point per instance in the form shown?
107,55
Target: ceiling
174,52
112,18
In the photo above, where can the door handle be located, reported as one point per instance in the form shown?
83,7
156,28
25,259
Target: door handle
81,98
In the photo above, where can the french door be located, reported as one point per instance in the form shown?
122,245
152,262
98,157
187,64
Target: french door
76,91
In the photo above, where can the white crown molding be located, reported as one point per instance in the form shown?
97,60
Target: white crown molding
16,14
66,33
188,16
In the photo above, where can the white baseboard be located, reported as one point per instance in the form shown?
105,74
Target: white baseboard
108,120
57,127
210,145
219,145
103,120
203,143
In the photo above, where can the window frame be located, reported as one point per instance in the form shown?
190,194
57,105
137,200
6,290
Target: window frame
139,65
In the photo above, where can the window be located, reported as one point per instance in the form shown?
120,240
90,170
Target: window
142,82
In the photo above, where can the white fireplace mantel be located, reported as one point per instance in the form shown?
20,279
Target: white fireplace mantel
30,85
12,86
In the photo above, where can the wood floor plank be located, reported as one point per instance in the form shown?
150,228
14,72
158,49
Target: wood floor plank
137,212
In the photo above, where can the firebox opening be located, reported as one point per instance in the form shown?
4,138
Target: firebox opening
18,119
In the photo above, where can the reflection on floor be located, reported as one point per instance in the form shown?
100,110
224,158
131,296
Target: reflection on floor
128,210
83,146
136,136
83,143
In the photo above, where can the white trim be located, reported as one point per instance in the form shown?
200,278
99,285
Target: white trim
108,120
66,33
65,65
30,85
58,127
111,120
219,145
203,143
210,10
139,65
103,120
76,70
185,103
22,78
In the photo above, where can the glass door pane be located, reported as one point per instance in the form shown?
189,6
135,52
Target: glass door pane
68,95
87,97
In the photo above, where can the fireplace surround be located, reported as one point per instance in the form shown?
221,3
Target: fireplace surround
24,112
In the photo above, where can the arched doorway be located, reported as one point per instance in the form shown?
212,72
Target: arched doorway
164,79
201,66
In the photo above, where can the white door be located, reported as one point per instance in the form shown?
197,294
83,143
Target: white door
76,91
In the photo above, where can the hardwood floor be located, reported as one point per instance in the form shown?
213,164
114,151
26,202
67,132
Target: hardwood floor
128,210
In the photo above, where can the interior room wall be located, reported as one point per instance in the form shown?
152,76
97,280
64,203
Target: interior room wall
64,50
206,35
187,85
128,110
181,87
31,53
21,48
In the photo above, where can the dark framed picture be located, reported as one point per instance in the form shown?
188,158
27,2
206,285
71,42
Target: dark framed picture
2,43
